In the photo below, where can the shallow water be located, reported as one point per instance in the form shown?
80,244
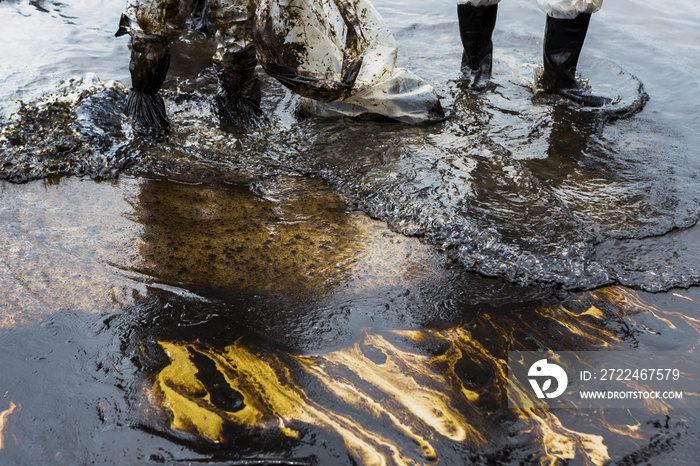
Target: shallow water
306,293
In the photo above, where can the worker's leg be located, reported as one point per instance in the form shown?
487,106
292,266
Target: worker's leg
565,32
477,19
238,97
152,25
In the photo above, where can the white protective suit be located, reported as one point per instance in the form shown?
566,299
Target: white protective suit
377,86
560,9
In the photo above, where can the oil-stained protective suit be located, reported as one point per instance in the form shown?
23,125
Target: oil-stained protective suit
154,24
341,55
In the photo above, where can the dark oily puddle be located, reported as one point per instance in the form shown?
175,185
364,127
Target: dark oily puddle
518,184
567,213
149,320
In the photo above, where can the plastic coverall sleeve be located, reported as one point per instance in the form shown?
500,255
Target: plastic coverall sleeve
166,19
340,54
561,9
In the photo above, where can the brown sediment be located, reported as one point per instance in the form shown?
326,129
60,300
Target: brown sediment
49,253
226,237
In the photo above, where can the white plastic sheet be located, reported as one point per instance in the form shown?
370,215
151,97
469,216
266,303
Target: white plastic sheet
342,53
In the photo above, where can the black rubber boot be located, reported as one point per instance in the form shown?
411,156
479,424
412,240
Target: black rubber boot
563,40
149,67
238,97
476,24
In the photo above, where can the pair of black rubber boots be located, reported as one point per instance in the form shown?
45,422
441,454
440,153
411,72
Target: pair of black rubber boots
237,100
563,40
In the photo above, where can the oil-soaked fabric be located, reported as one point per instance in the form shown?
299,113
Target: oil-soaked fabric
340,51
326,50
166,19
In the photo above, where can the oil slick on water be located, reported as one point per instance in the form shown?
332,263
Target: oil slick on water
226,297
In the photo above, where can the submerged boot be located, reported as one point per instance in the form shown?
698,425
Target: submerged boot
238,97
476,24
149,64
563,40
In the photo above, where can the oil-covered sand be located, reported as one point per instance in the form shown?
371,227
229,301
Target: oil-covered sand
341,291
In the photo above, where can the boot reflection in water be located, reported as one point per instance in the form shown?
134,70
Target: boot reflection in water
154,24
565,31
